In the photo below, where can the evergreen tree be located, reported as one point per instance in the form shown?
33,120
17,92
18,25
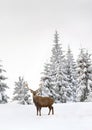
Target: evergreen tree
53,79
3,86
84,75
70,69
21,92
89,97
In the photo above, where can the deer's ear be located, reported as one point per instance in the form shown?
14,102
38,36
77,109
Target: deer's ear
37,91
31,90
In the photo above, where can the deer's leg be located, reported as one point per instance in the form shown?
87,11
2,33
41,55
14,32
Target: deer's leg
40,111
49,110
37,110
52,110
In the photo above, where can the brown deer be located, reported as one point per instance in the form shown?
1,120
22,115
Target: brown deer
40,101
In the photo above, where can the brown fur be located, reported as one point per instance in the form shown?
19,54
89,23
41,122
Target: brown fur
40,102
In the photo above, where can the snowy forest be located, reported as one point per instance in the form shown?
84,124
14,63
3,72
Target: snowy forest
64,78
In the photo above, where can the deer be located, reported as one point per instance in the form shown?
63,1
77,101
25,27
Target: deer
40,101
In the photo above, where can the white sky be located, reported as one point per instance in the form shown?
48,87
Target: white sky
26,33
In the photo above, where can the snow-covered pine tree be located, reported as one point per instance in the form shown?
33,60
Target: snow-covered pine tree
53,83
21,94
3,86
71,73
89,97
84,69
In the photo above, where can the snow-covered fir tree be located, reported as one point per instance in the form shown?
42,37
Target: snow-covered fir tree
72,84
53,79
89,97
84,75
3,86
21,94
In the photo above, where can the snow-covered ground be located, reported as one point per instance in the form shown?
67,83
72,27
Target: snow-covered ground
70,116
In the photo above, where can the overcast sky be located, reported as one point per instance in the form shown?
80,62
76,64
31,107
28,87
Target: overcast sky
27,30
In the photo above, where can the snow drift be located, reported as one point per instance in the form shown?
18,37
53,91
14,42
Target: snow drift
70,116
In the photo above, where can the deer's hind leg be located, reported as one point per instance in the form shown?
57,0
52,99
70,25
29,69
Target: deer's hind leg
49,110
52,110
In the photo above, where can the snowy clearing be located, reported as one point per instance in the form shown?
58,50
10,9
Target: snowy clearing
70,116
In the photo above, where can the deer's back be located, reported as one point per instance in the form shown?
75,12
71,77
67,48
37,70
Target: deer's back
43,101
